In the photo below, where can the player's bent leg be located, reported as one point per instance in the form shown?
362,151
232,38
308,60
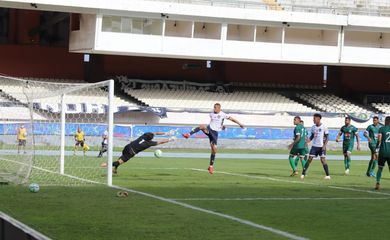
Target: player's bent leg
195,130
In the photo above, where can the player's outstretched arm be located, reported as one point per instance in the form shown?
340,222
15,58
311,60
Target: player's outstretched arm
236,122
164,141
160,133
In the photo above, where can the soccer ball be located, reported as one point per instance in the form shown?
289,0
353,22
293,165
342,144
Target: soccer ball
158,153
34,187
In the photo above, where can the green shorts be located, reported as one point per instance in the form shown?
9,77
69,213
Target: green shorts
372,148
347,148
298,151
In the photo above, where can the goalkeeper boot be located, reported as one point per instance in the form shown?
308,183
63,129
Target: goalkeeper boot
186,135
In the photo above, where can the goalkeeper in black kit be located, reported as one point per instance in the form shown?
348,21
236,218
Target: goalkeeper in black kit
140,144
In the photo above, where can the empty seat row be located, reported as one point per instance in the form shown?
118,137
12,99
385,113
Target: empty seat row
331,103
383,107
238,101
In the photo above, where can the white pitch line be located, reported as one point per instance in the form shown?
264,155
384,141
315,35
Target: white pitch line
274,199
288,181
32,232
226,216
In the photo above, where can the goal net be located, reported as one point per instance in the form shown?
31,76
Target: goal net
38,125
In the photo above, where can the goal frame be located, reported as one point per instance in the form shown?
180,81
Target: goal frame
110,124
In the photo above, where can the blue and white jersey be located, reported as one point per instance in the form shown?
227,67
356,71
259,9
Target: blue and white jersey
319,135
217,119
105,137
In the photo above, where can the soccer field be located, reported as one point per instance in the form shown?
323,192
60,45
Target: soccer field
176,198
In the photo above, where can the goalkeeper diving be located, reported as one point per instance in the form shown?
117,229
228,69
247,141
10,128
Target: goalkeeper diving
138,145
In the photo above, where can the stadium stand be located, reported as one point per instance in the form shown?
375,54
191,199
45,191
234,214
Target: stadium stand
340,7
237,101
11,111
382,107
328,102
14,94
275,85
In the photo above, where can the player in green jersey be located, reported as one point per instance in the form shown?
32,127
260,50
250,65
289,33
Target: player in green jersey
297,148
383,149
349,132
371,134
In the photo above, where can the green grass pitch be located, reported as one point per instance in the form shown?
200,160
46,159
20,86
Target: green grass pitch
259,191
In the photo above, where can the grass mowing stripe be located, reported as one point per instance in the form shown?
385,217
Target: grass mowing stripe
236,219
289,181
275,199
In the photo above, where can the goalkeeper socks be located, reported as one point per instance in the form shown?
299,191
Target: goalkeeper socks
326,169
115,164
292,162
379,174
212,159
195,130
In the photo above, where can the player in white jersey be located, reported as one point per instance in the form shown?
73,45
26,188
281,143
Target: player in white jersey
319,138
217,117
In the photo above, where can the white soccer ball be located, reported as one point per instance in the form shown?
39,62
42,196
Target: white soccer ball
34,187
158,153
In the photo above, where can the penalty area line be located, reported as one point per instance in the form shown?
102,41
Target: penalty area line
185,205
274,199
288,181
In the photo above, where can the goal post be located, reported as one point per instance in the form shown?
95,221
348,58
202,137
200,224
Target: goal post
51,114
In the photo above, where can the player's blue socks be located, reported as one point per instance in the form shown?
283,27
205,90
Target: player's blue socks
195,130
326,169
379,174
212,158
